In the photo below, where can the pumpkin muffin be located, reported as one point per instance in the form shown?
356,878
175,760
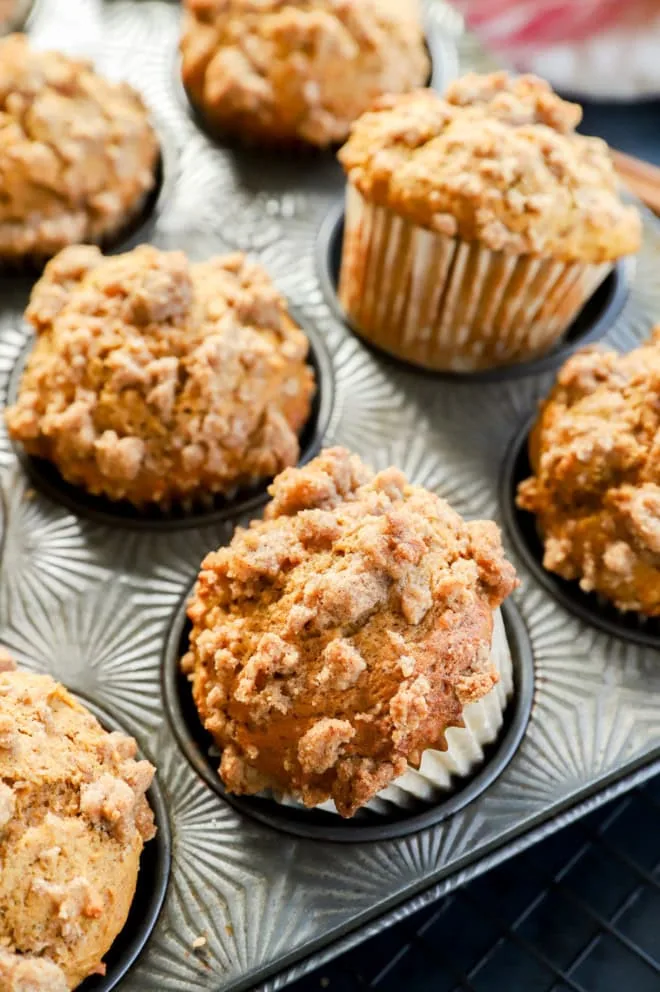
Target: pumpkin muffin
158,381
336,641
477,225
78,155
73,822
595,455
298,70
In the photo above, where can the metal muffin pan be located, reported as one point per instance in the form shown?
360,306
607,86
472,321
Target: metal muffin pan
590,325
94,603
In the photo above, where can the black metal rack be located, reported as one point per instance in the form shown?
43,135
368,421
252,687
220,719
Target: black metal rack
580,912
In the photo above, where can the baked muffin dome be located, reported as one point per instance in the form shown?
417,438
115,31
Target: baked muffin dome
298,70
73,822
156,380
77,153
337,639
595,454
496,161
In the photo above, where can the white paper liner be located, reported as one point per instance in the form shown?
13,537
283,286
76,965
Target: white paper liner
465,745
450,304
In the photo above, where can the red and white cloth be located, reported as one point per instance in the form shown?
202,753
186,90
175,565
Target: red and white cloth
601,48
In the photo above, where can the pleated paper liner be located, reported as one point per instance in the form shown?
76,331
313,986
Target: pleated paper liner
591,608
204,510
386,819
425,299
153,879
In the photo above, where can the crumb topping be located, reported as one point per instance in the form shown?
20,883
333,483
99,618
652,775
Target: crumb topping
77,153
497,161
595,453
338,638
73,821
156,380
298,69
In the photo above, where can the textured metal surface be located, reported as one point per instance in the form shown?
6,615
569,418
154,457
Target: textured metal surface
92,604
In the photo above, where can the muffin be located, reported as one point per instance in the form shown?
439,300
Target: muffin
291,71
78,156
73,822
595,491
337,644
477,225
158,381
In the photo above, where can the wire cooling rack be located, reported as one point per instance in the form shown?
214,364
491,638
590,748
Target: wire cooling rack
580,912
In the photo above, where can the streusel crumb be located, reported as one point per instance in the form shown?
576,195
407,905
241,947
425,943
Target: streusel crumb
497,161
336,640
156,380
298,69
595,453
73,822
78,155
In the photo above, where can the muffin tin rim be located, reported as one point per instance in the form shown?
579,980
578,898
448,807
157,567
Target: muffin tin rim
293,821
621,278
48,481
553,585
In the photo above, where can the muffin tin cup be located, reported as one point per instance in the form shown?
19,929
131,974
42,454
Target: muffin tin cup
386,821
152,883
370,291
245,499
520,525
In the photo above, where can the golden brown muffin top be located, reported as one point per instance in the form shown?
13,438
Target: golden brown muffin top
154,379
299,69
497,161
595,452
77,153
338,638
73,821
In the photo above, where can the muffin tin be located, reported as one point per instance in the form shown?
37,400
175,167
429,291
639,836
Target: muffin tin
95,602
